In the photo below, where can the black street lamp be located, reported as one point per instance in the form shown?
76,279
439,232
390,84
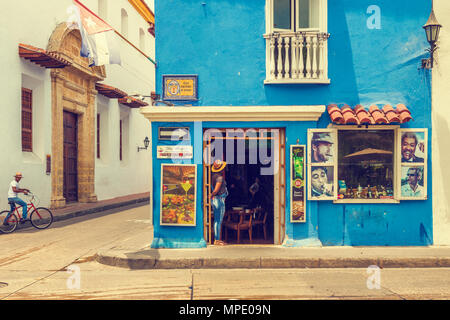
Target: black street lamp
432,28
146,143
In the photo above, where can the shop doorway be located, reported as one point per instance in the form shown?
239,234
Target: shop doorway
255,177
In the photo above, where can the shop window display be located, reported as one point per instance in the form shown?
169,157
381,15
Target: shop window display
366,164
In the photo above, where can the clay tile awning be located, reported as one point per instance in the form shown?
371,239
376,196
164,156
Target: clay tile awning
42,57
132,102
109,91
373,115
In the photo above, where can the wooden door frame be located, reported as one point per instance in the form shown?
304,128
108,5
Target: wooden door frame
73,90
279,184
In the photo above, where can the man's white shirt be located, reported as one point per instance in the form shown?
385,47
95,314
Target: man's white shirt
11,193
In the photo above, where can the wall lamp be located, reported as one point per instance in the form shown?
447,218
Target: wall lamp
146,143
432,28
155,99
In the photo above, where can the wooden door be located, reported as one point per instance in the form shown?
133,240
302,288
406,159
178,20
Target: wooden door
207,210
70,191
281,159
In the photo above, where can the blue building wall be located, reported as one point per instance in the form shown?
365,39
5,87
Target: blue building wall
222,42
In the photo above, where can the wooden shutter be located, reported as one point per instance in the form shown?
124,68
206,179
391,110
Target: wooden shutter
120,142
27,120
98,135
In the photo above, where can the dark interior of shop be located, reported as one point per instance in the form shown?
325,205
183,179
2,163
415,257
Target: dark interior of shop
250,193
366,163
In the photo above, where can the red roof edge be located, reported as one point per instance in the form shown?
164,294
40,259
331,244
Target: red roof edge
41,57
109,91
360,115
132,102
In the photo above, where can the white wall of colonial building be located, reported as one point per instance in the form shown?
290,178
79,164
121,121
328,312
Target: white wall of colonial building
441,128
32,23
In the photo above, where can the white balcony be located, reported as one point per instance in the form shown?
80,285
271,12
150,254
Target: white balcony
299,57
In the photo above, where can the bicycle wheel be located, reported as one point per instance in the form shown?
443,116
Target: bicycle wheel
10,225
41,218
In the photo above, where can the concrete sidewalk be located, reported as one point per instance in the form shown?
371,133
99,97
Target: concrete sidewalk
135,253
80,209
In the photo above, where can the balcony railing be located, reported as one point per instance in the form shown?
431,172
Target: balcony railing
299,57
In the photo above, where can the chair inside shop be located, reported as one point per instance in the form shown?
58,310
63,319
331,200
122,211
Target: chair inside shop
239,220
260,220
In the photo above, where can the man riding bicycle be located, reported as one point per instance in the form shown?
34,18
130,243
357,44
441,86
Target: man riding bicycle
13,190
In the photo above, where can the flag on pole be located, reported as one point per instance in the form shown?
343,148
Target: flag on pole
99,42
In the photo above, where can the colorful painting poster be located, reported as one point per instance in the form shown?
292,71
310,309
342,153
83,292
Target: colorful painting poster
298,203
178,194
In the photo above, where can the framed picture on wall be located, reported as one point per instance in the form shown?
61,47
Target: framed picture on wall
322,146
322,165
412,146
298,186
413,164
178,194
412,185
322,183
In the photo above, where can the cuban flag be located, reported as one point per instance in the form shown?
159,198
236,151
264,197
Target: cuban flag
99,42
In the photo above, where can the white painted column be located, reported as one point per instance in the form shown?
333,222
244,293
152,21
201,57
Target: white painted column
440,152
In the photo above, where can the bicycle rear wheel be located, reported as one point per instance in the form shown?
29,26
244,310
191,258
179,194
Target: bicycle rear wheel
10,225
41,218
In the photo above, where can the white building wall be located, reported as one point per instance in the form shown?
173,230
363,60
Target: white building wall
114,178
441,128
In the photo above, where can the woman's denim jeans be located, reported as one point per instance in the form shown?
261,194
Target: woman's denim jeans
218,205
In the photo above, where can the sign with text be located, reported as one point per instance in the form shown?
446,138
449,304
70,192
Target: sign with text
174,152
180,87
298,199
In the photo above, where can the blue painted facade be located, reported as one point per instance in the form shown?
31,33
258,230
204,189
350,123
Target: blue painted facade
222,42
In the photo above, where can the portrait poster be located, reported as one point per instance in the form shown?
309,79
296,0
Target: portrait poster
322,183
298,195
178,194
322,164
322,146
413,167
412,146
413,182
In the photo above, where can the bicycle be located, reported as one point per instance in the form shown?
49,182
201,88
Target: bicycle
40,217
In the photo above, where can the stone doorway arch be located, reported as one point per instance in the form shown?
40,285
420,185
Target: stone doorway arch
73,90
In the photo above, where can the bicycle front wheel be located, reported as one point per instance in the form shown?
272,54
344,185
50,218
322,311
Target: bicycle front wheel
8,226
41,218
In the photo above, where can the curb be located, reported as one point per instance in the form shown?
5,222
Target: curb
133,203
138,261
79,213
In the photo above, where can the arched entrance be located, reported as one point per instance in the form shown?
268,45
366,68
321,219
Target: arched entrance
73,121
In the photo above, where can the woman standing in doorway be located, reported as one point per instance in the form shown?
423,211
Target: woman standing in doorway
218,196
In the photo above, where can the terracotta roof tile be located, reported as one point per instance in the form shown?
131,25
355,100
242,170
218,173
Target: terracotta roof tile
349,115
335,114
132,102
109,91
42,57
374,115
